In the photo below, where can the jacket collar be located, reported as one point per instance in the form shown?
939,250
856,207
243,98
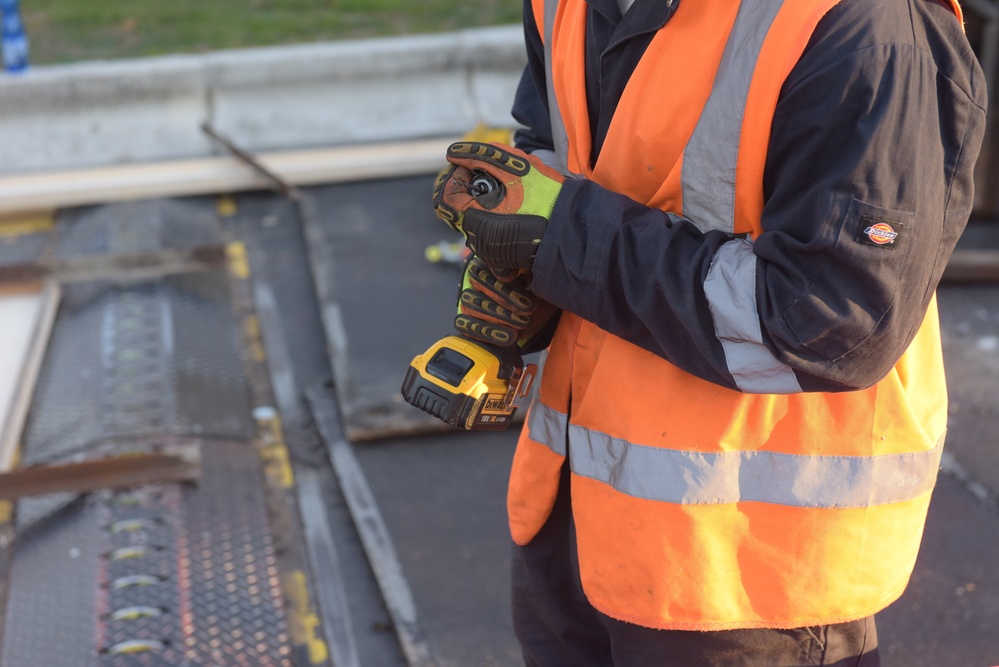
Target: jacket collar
645,16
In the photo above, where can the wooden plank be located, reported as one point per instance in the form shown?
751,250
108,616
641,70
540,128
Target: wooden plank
23,223
17,410
20,306
58,189
176,463
338,625
374,534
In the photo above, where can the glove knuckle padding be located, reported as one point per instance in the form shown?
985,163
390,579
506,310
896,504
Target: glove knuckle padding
450,216
504,241
492,310
519,301
490,154
474,304
510,294
484,331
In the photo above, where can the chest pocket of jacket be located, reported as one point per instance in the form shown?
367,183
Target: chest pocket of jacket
851,296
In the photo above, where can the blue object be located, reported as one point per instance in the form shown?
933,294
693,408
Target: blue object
15,39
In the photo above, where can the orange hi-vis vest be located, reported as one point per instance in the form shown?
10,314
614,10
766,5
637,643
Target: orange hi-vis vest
697,506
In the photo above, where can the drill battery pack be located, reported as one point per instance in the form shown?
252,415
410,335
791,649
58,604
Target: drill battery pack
467,384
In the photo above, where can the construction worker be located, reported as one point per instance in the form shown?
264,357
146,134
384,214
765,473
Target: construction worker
742,210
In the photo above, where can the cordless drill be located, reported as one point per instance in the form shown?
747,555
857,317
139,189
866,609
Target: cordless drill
466,383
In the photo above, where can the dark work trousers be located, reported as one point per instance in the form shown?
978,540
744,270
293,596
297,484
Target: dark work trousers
557,626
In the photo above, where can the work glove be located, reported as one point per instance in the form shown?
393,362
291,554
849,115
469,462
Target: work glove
502,311
500,199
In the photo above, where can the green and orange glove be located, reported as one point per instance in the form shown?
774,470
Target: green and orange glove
500,311
500,199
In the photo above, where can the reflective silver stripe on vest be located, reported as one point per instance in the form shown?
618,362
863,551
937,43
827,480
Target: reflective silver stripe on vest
709,168
730,288
548,427
710,158
550,158
559,135
698,478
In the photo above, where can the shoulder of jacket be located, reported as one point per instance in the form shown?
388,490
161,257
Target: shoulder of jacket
929,28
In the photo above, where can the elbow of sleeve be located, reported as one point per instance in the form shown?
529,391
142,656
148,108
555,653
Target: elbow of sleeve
840,376
862,363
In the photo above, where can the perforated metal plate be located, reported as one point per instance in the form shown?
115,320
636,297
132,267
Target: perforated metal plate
151,358
139,226
171,574
165,575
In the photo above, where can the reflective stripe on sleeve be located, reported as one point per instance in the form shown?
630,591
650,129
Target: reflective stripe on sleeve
699,478
711,155
730,288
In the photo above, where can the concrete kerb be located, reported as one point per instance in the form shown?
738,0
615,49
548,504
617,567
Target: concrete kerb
108,113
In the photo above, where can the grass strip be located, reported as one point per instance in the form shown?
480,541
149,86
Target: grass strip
70,30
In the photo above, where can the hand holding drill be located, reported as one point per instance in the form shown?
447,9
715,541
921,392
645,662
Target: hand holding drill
500,199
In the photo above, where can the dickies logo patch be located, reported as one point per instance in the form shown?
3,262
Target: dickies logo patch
881,233
878,232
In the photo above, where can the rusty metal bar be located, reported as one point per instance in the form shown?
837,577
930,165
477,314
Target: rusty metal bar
137,266
175,463
281,185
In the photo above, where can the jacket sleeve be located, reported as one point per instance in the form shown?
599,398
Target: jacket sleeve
865,199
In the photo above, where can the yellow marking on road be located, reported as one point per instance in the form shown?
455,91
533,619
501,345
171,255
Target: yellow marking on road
274,453
251,332
225,206
28,223
303,622
6,513
7,506
239,265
